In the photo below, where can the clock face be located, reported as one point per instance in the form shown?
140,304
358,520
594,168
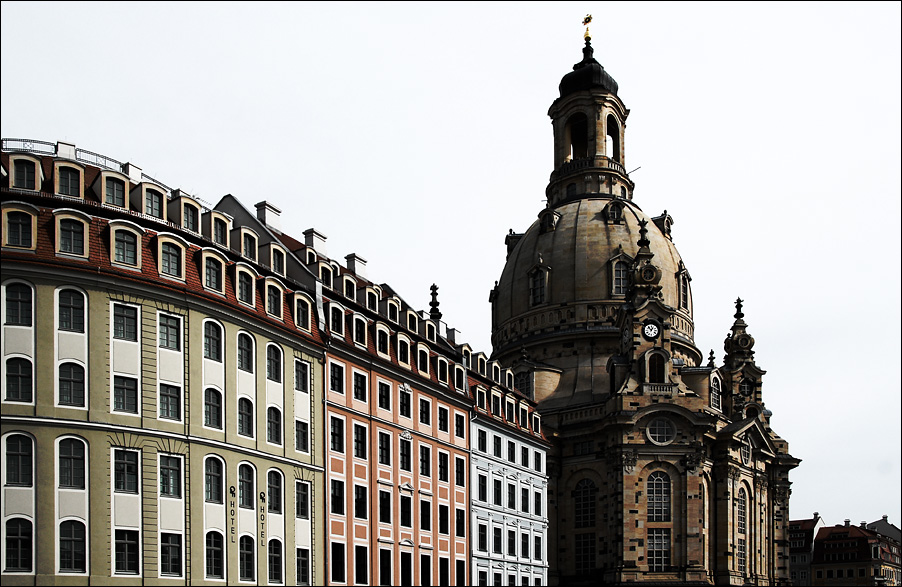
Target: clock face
648,274
650,330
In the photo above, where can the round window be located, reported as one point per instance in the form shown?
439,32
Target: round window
661,431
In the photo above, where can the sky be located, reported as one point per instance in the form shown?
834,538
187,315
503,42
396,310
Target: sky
416,135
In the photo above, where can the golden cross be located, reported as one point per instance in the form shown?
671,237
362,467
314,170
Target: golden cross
588,19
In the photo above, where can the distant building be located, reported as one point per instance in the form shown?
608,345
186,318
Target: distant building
801,548
855,555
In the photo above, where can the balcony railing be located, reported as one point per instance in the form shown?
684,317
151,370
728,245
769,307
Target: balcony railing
658,388
587,162
30,146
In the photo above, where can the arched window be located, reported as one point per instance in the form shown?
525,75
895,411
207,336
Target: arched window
219,231
273,425
189,217
171,260
213,274
684,292
115,191
658,493
212,341
18,380
71,311
584,504
246,559
23,174
337,322
715,394
214,556
153,203
72,237
382,342
403,352
303,314
274,560
245,288
325,275
612,140
741,510
656,368
274,301
18,546
350,289
19,460
274,492
273,363
126,247
213,480
245,352
71,385
212,408
620,276
72,547
578,136
18,225
745,387
69,182
72,464
245,417
18,305
246,486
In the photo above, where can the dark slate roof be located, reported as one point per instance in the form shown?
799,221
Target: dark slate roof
587,74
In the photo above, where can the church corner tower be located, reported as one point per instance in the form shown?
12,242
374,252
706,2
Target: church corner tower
664,467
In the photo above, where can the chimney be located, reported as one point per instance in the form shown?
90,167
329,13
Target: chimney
356,265
315,241
269,215
65,150
816,515
133,172
864,524
885,518
847,520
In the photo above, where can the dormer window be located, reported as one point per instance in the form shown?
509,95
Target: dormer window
614,213
459,378
412,321
115,192
537,286
311,257
509,379
371,300
171,259
467,356
496,374
153,203
325,275
684,292
350,289
274,301
393,312
68,181
19,229
360,331
71,236
220,232
249,246
403,351
336,323
423,360
442,370
523,382
715,394
24,174
621,278
481,366
213,270
430,331
245,288
382,340
278,261
189,217
302,313
656,369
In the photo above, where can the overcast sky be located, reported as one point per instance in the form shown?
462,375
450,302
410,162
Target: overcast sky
416,135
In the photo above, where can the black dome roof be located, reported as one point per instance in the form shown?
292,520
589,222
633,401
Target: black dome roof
587,74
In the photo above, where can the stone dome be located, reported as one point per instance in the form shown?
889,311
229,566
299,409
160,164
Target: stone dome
577,245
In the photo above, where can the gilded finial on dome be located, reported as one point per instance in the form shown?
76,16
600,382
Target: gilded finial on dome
586,22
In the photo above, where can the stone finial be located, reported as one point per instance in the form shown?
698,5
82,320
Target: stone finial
738,315
643,234
711,359
433,305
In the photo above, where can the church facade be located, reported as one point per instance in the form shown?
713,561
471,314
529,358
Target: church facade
664,467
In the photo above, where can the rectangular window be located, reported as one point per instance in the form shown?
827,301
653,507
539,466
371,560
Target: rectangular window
537,461
385,574
444,515
459,425
537,548
496,491
384,448
338,497
460,471
524,545
359,441
153,205
496,446
425,570
337,378
404,449
169,332
127,562
337,434
425,515
524,456
483,488
385,507
302,500
524,500
442,466
303,566
483,540
406,511
482,444
115,192
361,497
584,552
659,550
425,461
170,476
460,523
384,395
496,541
360,387
302,376
511,452
405,403
125,394
511,496
425,411
338,562
301,436
537,506
443,419
125,471
72,237
170,402
361,574
126,248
